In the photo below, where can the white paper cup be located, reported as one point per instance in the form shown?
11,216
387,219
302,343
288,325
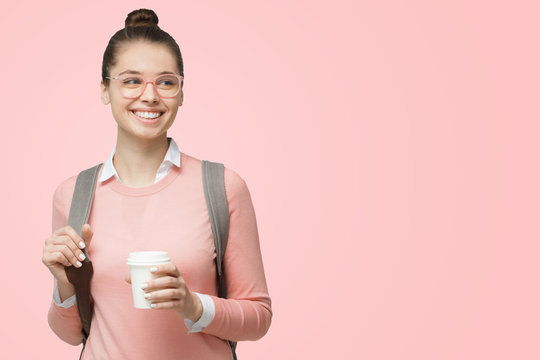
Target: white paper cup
140,263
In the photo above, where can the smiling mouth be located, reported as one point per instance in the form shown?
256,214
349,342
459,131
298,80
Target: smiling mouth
150,120
147,115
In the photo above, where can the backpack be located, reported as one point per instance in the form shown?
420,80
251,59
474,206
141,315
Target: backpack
213,177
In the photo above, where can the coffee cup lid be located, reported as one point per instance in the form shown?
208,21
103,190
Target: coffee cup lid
147,257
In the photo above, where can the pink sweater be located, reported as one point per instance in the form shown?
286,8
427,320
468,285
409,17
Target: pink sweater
169,215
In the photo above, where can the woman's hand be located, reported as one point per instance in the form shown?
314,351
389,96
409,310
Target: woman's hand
169,291
63,248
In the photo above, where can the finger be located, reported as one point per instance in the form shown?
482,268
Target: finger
165,269
68,254
68,230
164,282
56,257
165,295
173,304
58,239
87,233
128,278
65,240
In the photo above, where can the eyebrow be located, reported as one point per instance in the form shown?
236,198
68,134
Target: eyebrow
138,72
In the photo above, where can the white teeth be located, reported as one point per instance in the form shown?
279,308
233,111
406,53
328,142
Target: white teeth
147,115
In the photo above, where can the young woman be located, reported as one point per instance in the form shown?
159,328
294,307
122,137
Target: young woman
149,196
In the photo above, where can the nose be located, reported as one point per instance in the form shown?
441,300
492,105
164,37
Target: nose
149,93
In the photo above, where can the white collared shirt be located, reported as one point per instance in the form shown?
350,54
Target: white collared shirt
172,157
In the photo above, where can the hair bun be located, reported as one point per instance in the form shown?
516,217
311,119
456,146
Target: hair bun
141,17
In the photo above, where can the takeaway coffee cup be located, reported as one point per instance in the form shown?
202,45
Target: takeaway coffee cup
140,263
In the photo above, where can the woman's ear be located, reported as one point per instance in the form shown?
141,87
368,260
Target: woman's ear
104,94
181,98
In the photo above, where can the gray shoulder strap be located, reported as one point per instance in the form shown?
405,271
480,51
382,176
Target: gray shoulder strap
213,175
81,203
218,210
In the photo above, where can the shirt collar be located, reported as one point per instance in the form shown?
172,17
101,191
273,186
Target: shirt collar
172,157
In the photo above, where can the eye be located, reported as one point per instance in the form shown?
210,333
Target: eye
167,81
131,81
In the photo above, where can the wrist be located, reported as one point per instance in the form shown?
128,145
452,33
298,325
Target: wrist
197,308
65,290
64,284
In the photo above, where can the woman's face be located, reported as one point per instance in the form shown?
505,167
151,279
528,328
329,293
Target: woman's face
149,59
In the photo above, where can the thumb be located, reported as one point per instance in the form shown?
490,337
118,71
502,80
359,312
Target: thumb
87,233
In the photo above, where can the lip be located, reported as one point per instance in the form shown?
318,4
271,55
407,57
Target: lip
147,121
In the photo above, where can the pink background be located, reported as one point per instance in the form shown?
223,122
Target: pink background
390,148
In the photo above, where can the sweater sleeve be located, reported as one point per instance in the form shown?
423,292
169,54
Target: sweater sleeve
246,314
64,322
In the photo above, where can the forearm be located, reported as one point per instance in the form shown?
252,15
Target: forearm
240,319
65,323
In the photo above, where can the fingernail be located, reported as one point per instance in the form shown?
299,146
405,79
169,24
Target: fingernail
82,257
153,306
81,244
147,296
153,269
79,264
144,286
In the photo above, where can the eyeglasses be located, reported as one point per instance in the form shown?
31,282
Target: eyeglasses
132,85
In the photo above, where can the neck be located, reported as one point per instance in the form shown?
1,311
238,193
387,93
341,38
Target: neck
137,160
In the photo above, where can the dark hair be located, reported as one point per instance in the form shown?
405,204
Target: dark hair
140,25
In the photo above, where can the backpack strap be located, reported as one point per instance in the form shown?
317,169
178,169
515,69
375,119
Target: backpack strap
81,204
213,175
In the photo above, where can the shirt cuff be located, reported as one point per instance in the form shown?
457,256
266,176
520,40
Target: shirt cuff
208,314
69,302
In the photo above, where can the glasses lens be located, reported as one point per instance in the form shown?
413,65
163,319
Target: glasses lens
132,85
167,85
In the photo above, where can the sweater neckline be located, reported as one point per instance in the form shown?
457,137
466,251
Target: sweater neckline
174,171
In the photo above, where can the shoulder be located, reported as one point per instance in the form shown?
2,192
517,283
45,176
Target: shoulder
232,177
235,184
233,181
64,190
62,196
236,189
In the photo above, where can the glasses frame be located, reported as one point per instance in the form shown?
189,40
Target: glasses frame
151,81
